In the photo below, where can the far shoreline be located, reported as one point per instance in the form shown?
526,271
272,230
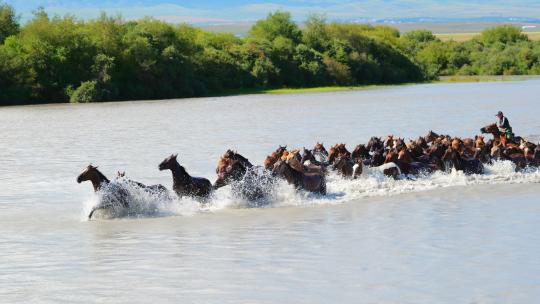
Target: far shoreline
322,89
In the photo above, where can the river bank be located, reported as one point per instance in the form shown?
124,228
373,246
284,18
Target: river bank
330,89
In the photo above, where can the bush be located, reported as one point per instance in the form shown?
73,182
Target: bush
87,92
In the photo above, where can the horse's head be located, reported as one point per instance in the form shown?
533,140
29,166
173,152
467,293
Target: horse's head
391,156
293,159
229,170
399,143
479,142
374,144
389,141
431,136
490,129
89,173
281,149
360,152
421,142
457,144
229,154
405,156
92,174
168,163
307,155
319,148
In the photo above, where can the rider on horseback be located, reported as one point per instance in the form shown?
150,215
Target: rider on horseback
504,126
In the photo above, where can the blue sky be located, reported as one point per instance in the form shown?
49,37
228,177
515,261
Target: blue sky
197,11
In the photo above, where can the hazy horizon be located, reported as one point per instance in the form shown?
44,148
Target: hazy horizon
218,11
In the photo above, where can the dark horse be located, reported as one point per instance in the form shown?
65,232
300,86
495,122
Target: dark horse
116,195
452,158
250,182
183,183
312,182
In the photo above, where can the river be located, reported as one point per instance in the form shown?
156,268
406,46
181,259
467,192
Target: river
447,238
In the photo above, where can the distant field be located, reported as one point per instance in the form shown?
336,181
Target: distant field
460,37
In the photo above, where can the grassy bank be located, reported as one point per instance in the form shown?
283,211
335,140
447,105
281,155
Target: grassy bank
323,89
484,78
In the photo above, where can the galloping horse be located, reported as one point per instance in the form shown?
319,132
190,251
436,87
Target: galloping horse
312,182
274,157
498,136
248,181
452,158
347,167
183,183
117,196
337,151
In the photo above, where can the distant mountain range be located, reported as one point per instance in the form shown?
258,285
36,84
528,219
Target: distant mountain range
237,11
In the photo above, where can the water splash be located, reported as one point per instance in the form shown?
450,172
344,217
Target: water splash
372,183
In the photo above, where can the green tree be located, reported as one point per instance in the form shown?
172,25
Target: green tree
9,22
276,24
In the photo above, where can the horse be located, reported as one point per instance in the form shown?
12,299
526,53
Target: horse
374,144
479,142
336,151
310,163
249,182
431,136
274,157
408,165
309,158
183,183
452,158
348,167
312,182
360,152
117,195
497,134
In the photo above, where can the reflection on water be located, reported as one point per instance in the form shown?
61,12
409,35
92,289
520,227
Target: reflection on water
446,238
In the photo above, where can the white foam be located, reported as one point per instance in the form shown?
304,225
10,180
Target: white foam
371,183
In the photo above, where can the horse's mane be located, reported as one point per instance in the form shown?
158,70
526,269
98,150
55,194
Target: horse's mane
101,176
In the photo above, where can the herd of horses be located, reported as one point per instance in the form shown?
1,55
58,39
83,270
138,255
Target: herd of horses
391,156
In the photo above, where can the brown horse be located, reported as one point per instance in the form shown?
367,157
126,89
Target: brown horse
336,151
375,144
347,167
494,130
431,136
93,175
183,183
249,182
409,166
117,196
274,157
452,158
360,152
312,182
